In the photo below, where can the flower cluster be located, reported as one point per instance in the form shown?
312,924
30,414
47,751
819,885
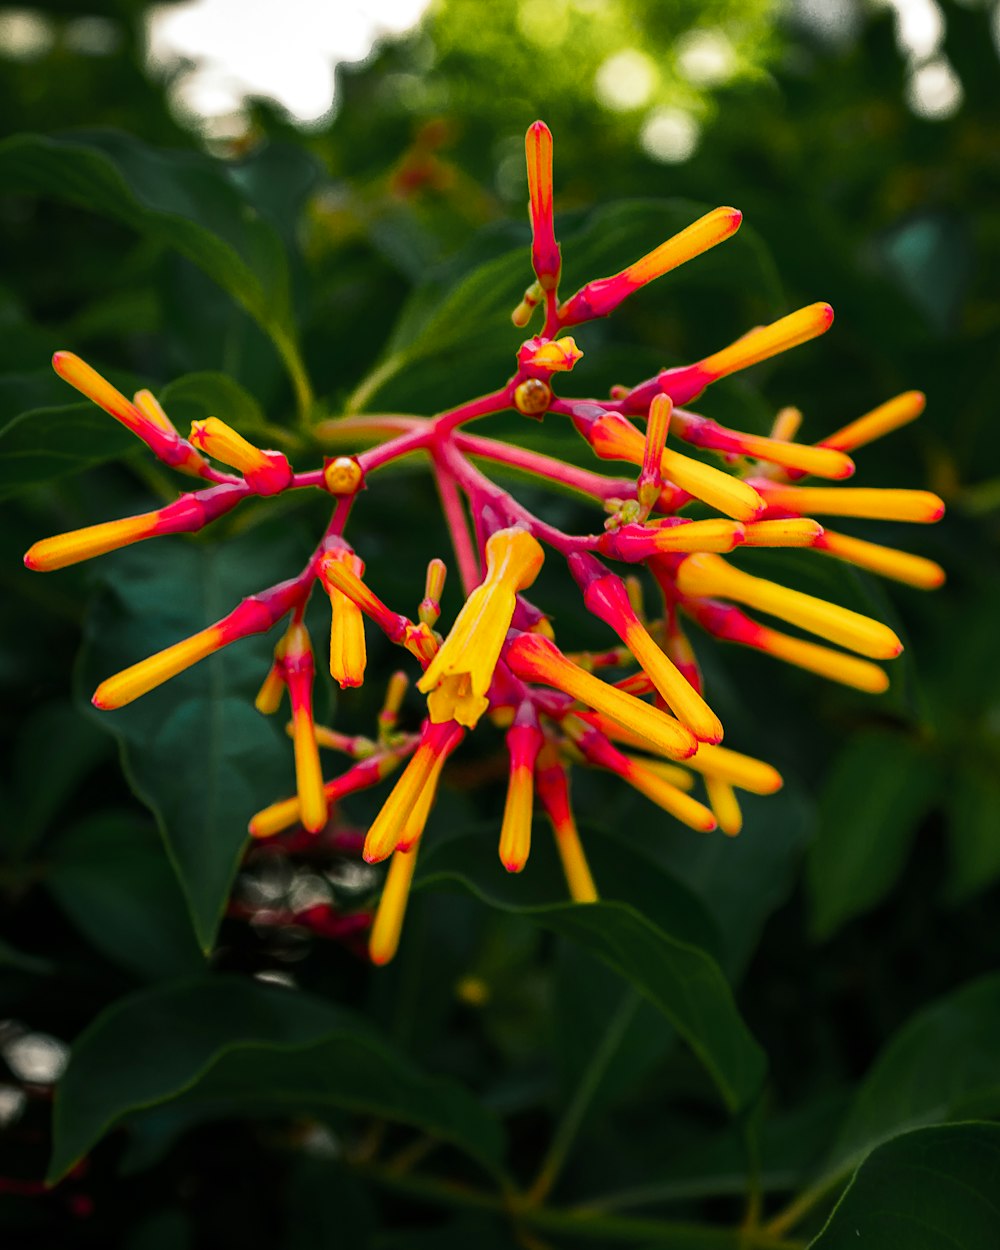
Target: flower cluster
500,660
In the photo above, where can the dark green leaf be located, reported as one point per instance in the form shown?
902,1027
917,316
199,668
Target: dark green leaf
195,750
232,1043
880,787
46,443
680,979
110,874
973,832
55,750
932,1189
180,199
199,395
21,961
944,1064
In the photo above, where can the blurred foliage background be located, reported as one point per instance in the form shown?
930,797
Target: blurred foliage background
862,143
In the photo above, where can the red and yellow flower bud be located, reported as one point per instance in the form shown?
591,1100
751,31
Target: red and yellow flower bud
533,658
362,776
265,472
437,741
870,503
819,461
430,606
255,615
458,677
524,741
549,355
605,596
688,382
144,418
650,483
347,628
614,438
603,295
186,515
711,576
300,671
901,566
732,625
337,574
552,786
598,750
545,258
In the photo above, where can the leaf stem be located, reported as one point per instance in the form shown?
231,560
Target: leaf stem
573,1116
289,352
800,1206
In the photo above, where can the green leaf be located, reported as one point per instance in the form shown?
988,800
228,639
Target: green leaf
199,395
47,443
932,1189
225,1042
110,874
54,751
973,803
944,1064
195,750
21,961
878,791
741,881
180,199
680,979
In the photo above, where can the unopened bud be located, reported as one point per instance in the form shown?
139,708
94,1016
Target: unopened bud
342,475
532,397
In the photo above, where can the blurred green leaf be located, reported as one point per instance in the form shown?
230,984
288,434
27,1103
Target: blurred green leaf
21,961
973,832
55,750
199,395
681,980
110,874
181,199
879,789
46,443
943,1064
229,1042
932,1189
196,751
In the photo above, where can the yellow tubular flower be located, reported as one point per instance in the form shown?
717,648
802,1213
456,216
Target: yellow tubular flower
385,831
459,675
388,924
347,630
725,805
877,423
737,769
848,670
655,787
901,566
710,575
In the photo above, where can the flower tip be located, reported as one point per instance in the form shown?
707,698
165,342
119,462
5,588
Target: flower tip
101,701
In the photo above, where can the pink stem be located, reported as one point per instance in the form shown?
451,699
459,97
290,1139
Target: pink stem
593,485
454,515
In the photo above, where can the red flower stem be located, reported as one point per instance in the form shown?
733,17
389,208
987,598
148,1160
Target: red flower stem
585,482
469,567
485,406
480,490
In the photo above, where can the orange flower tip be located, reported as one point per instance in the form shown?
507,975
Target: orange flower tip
343,475
514,865
375,855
